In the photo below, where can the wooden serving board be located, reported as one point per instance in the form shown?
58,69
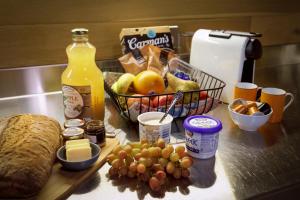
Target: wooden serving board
62,183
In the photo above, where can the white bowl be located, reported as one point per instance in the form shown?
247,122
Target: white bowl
248,122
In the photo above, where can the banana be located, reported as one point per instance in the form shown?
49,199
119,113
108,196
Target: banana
124,83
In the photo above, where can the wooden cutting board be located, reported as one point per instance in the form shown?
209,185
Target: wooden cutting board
62,183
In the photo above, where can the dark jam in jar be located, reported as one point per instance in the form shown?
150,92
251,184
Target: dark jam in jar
95,132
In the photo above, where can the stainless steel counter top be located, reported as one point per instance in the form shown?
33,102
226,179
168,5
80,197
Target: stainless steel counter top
260,165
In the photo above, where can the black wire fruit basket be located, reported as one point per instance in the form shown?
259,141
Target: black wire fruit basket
194,102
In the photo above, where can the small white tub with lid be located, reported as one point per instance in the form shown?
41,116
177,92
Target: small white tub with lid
202,135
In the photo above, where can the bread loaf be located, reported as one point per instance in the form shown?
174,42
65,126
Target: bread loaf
28,145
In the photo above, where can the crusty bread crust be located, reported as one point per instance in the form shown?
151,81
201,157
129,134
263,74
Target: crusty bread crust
28,145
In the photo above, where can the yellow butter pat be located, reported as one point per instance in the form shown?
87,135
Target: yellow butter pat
77,145
78,153
80,141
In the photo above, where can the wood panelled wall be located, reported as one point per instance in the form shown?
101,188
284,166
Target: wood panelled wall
37,32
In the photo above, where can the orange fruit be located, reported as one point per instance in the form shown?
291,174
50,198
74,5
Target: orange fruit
147,82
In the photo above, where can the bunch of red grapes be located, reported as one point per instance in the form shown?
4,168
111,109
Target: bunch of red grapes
150,162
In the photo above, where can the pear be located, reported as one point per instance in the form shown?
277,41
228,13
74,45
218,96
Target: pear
123,84
185,86
169,90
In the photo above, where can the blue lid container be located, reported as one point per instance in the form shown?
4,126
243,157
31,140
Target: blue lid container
202,124
202,135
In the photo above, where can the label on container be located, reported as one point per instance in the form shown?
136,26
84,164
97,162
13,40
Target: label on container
152,133
92,138
77,101
201,145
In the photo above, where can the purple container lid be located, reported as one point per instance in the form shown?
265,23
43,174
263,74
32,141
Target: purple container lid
202,124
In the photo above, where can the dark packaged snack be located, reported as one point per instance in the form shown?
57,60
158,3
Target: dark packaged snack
132,38
264,108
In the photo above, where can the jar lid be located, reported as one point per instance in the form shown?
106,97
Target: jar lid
74,123
72,131
79,31
202,124
95,125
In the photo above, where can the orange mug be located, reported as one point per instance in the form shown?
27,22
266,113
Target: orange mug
276,98
245,90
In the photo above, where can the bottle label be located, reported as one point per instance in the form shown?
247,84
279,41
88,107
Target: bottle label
77,101
201,145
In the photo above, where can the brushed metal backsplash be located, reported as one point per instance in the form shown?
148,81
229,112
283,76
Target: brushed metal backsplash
40,79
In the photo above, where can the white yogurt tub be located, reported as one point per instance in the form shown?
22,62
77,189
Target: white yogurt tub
202,135
151,129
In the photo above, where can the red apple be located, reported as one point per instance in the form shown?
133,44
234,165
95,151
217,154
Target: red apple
203,95
143,100
162,100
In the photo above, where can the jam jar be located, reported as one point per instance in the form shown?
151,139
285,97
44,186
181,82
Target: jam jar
95,132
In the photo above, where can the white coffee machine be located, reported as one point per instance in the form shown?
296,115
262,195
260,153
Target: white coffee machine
227,55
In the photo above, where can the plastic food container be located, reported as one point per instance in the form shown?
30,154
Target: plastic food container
74,123
202,135
151,129
73,133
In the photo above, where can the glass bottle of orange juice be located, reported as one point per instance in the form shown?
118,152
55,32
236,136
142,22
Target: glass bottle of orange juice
82,80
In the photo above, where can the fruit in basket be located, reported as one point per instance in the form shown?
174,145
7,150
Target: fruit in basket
114,87
203,95
179,84
185,86
123,84
139,99
147,82
169,90
164,100
156,162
